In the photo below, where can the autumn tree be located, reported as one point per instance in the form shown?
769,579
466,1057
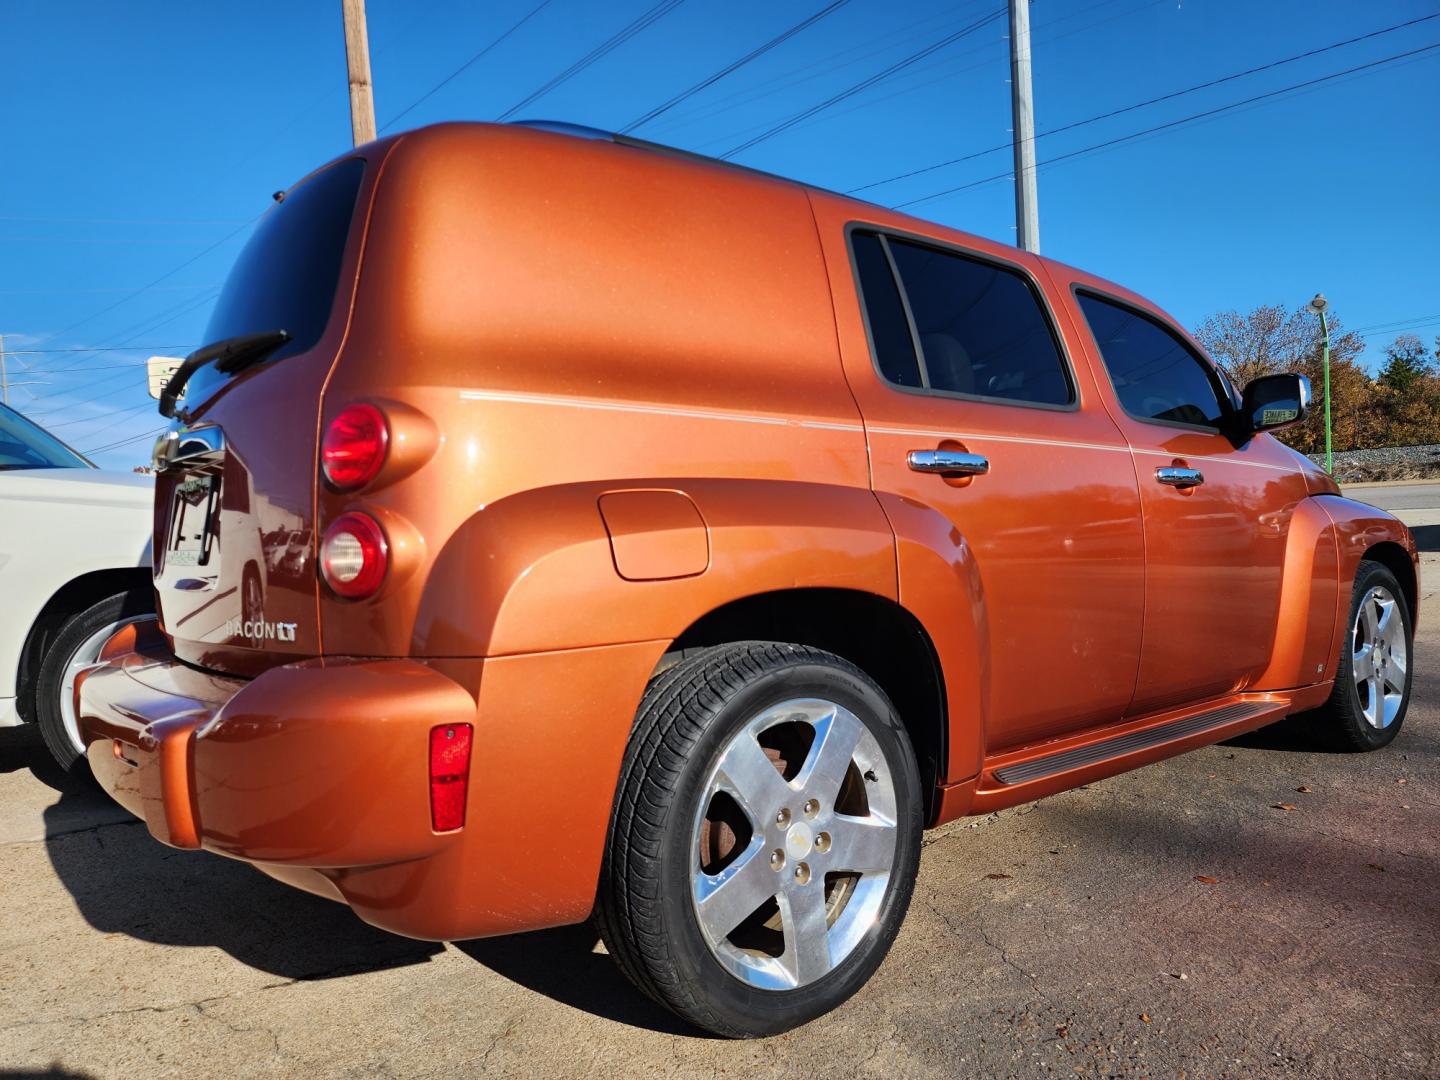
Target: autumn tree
1408,391
1272,339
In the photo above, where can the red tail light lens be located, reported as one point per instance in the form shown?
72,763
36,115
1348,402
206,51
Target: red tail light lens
354,447
449,775
354,555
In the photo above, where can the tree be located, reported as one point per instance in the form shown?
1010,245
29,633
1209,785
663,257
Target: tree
1409,394
1269,340
1405,362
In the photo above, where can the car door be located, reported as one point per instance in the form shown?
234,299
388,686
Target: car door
957,352
1217,511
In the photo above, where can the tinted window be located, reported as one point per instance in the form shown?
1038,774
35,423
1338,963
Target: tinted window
1155,374
26,445
889,330
982,330
285,278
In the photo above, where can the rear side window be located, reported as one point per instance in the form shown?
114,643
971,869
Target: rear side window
1155,374
978,328
286,276
885,313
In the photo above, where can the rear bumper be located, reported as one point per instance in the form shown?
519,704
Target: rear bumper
317,772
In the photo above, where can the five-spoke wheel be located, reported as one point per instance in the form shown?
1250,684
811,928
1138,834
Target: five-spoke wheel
765,838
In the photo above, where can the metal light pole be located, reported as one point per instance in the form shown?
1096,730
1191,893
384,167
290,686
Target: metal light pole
1318,306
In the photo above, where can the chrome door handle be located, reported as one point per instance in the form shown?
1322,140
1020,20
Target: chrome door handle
1178,477
947,462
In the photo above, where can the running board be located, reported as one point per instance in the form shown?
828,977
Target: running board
1080,756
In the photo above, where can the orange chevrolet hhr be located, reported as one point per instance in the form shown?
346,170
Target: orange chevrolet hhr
561,525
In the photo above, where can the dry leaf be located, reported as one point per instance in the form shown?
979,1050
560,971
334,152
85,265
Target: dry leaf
1303,789
1204,880
996,877
1402,780
1376,866
1062,1031
1145,1017
1282,806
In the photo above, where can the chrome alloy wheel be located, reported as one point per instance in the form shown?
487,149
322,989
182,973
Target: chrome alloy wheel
1381,656
86,654
793,844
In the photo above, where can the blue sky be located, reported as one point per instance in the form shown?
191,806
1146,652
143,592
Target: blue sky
139,136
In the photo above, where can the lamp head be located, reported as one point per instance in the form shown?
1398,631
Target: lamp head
1319,304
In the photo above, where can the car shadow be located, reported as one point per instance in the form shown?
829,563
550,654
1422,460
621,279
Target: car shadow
124,881
1294,734
563,964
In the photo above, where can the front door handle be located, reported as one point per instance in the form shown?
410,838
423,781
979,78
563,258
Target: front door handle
1175,476
947,462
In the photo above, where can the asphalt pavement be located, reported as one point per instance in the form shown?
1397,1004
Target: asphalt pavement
1256,909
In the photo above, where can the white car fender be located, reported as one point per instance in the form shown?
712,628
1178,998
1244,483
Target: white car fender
57,525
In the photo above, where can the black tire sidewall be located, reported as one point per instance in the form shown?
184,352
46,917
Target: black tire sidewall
1369,575
737,1005
116,608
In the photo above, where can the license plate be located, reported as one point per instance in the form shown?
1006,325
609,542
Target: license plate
192,521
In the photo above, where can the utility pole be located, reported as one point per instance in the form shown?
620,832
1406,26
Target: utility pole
1022,111
357,59
6,382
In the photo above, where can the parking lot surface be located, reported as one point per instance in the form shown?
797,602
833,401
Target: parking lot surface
1262,908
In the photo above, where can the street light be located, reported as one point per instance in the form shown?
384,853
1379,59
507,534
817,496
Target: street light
1318,306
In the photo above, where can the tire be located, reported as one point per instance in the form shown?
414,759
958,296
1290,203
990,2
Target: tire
76,645
699,808
1348,721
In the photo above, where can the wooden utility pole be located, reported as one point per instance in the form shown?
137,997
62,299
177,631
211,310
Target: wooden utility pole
1022,108
357,58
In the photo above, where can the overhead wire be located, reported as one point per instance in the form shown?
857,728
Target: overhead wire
862,85
1151,101
732,67
1218,110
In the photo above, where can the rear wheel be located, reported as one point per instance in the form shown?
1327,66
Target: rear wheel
75,648
1372,684
765,839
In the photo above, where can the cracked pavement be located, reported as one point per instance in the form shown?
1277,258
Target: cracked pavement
1067,937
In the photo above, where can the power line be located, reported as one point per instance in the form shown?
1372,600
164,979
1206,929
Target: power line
463,67
101,348
123,442
1150,101
732,67
1175,123
863,84
604,49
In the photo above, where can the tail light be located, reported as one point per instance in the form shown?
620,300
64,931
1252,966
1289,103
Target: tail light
354,446
354,555
449,775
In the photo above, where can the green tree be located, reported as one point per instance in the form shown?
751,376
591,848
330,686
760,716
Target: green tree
1405,362
1409,391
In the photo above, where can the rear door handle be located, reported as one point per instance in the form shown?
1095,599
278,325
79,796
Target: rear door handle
1175,476
947,462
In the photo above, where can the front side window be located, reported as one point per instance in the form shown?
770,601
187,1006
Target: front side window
978,328
1155,374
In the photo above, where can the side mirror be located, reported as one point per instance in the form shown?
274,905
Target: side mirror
1274,401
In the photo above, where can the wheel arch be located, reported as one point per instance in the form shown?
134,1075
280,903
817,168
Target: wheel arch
70,599
875,633
1397,560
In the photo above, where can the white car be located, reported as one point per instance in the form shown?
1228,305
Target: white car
74,568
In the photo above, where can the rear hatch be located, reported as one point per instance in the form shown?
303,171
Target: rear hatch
235,495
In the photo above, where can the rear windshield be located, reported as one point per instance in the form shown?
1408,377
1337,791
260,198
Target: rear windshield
286,276
24,444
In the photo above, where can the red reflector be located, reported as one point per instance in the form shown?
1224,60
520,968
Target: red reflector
354,555
449,775
354,446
